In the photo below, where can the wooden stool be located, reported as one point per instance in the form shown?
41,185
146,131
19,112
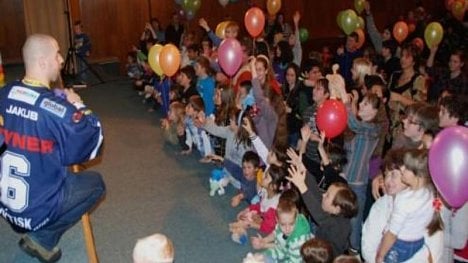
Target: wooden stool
87,231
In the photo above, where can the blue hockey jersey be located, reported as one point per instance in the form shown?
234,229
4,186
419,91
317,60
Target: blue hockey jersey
44,134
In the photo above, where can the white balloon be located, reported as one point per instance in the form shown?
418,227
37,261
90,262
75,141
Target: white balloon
223,2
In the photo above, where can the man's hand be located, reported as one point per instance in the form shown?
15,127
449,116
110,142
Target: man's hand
72,96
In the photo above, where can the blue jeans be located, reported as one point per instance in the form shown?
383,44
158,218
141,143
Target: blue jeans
403,250
81,192
356,222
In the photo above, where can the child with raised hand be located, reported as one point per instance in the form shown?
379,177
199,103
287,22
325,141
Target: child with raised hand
231,31
360,148
262,216
291,231
413,213
331,211
332,161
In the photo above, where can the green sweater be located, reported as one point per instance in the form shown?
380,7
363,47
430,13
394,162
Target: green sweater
289,250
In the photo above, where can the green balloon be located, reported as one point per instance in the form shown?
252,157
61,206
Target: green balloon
191,5
433,34
348,21
339,17
360,23
303,34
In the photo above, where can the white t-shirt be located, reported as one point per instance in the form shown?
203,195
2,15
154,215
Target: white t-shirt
374,227
412,212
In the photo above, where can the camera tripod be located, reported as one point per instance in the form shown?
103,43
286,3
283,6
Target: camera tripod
70,69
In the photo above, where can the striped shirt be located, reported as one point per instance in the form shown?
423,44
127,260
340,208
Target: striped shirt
360,148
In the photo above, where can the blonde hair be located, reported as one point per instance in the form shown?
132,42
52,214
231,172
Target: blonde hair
363,68
156,248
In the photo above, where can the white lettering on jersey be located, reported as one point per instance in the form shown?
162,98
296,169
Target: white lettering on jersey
23,222
22,112
53,107
23,94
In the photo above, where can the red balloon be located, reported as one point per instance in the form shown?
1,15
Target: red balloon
254,21
332,118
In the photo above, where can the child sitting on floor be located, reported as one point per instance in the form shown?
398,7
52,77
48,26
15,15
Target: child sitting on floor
262,216
291,231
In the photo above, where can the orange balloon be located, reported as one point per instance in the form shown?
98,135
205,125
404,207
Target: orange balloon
458,9
169,59
254,21
273,6
362,37
400,31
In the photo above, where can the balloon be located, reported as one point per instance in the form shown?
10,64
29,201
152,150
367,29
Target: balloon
348,21
419,43
362,37
458,9
360,23
153,59
400,31
191,5
223,2
273,6
448,4
359,5
303,34
179,2
332,118
339,17
254,21
448,164
169,59
433,34
221,28
230,56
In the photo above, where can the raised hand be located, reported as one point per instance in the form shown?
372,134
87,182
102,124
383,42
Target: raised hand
305,133
247,126
296,18
297,177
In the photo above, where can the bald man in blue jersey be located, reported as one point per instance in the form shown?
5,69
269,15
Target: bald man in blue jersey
44,134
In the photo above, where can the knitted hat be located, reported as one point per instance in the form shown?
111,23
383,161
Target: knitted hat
156,248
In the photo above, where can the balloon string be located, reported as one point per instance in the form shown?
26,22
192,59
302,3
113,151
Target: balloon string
253,47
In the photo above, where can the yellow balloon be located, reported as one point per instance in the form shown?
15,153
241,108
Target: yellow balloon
221,29
273,6
153,59
433,34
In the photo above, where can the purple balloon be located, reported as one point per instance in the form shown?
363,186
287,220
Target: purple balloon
448,164
230,56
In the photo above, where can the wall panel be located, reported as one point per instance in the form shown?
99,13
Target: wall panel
114,25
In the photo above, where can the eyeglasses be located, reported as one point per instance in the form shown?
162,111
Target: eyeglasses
412,121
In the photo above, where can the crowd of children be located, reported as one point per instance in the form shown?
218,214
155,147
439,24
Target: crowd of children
309,197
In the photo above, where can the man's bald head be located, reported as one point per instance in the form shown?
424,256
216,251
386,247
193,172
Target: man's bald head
37,46
42,59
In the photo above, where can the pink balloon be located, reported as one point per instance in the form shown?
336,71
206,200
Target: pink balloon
230,56
448,164
332,118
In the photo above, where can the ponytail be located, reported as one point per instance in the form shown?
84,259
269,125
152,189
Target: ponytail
436,223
